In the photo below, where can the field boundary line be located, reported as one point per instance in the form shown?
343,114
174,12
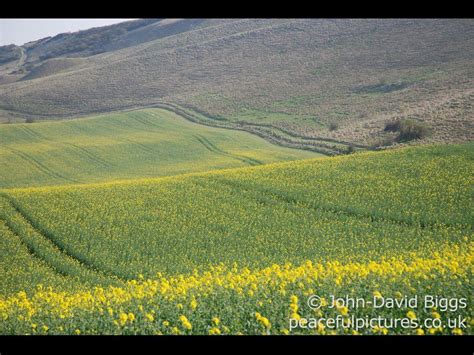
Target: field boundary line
259,130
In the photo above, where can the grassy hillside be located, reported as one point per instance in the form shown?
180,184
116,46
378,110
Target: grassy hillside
301,75
258,240
136,144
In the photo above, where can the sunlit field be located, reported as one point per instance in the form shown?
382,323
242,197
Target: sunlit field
240,251
125,145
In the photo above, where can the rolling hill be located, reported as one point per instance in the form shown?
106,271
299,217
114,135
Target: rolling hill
316,79
240,245
217,176
126,145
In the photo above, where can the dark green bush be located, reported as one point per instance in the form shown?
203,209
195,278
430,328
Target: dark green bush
408,129
392,126
411,129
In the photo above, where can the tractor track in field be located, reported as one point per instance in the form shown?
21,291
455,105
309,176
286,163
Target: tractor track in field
212,148
144,121
31,133
32,250
40,166
73,259
89,155
288,199
140,146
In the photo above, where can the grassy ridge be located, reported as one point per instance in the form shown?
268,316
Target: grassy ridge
258,240
136,144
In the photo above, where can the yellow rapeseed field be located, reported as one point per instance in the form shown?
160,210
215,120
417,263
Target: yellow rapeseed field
241,251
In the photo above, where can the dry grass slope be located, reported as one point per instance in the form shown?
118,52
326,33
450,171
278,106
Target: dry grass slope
296,75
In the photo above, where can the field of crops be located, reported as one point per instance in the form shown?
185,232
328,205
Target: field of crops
239,251
126,145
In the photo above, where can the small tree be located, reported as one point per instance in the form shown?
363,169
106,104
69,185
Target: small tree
333,126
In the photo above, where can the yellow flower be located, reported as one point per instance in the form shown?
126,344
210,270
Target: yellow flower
166,323
378,329
123,318
411,315
131,317
214,331
343,310
432,331
263,320
175,330
193,304
185,322
77,331
216,320
377,294
457,331
436,315
284,331
149,317
420,331
295,316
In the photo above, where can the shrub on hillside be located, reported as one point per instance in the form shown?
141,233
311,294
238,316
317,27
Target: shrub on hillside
408,129
392,126
333,126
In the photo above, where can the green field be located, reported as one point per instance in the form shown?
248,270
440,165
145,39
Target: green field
245,246
137,144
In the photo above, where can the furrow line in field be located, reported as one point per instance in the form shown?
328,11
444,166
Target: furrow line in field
40,166
71,260
89,155
287,198
211,147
